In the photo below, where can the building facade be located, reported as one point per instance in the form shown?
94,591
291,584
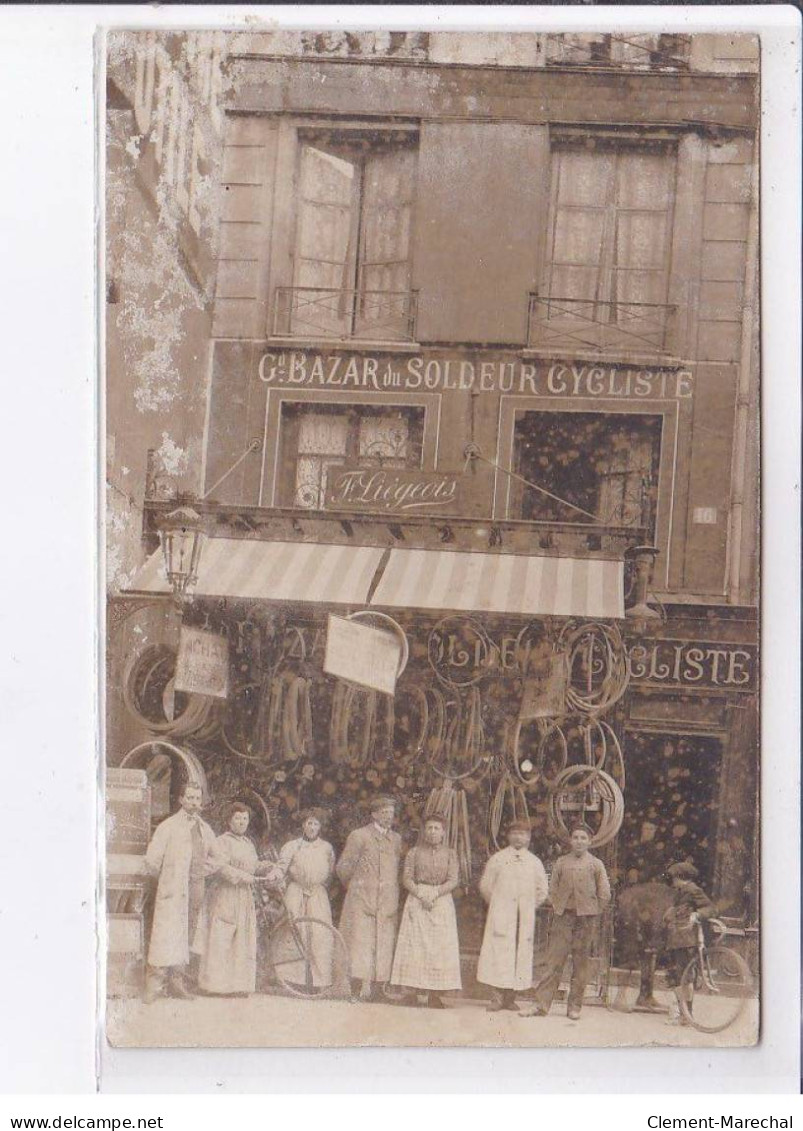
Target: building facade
482,359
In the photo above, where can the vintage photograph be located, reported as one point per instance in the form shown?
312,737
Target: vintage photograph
431,409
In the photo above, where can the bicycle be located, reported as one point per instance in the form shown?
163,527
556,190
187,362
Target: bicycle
717,984
307,957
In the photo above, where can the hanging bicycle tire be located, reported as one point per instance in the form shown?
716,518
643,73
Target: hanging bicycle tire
607,800
411,720
146,680
461,752
598,671
508,804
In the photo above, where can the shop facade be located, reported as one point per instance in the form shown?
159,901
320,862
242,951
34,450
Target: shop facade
483,362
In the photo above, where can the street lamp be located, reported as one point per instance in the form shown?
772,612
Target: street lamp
640,611
182,536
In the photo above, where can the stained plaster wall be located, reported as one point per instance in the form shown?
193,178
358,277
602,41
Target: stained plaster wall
159,276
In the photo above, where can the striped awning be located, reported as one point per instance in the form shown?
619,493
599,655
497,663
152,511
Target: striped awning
410,579
502,583
275,571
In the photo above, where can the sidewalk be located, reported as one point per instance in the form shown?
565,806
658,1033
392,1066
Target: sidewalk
281,1022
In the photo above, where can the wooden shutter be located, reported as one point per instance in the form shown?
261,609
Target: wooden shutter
480,206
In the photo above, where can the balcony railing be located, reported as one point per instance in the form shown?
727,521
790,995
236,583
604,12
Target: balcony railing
644,328
645,52
345,315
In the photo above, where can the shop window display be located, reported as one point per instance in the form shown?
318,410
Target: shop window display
586,467
317,438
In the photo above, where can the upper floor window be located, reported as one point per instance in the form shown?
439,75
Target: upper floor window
316,438
608,258
351,257
586,467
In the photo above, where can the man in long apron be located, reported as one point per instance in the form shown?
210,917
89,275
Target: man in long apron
181,855
513,885
369,870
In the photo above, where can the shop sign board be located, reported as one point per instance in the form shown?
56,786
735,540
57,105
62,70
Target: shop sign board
362,654
202,667
440,372
391,492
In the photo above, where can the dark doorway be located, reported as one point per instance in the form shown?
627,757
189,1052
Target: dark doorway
671,805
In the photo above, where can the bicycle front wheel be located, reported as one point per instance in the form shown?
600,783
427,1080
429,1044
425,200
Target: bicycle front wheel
309,958
715,992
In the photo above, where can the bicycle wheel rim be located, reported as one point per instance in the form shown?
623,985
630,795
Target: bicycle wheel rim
302,975
710,1008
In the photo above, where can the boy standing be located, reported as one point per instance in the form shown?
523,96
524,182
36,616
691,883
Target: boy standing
513,885
580,892
690,906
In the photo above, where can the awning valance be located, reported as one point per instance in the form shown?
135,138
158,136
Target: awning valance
502,583
275,571
411,579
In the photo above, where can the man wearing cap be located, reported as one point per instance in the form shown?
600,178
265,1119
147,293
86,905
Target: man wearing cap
513,885
369,870
579,891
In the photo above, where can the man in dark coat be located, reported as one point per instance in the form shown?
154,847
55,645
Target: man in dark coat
369,870
640,934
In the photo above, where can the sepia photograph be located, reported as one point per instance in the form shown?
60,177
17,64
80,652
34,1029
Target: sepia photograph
431,538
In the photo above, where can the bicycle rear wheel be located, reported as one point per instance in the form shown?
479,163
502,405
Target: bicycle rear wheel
715,994
309,959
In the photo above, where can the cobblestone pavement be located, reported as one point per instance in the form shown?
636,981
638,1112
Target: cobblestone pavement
284,1022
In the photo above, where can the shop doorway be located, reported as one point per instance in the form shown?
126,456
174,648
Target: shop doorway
671,805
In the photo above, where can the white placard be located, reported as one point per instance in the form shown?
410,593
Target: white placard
361,654
202,667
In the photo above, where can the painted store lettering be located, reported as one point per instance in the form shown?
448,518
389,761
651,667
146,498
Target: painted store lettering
454,374
674,662
668,662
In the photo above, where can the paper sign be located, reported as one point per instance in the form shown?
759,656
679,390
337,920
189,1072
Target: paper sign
361,654
544,692
203,663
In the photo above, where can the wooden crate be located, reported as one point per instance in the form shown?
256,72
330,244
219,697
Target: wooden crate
125,968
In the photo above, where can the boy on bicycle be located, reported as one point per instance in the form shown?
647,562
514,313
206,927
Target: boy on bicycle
690,907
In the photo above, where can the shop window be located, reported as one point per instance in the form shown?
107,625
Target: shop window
608,250
586,467
317,438
351,258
